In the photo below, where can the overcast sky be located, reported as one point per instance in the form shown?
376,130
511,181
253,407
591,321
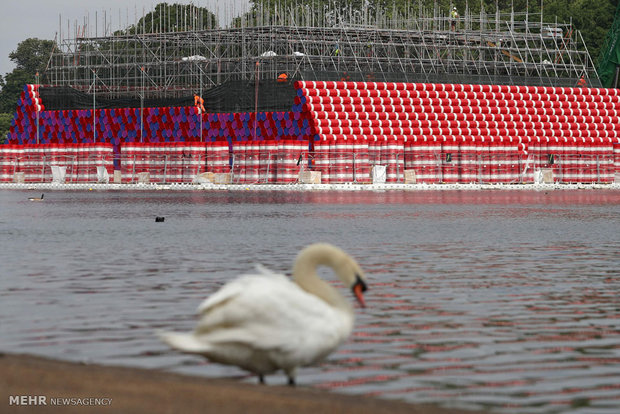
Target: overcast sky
22,19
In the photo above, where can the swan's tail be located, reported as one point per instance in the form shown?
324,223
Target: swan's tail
184,342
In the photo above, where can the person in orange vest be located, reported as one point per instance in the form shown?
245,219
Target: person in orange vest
282,78
199,103
582,83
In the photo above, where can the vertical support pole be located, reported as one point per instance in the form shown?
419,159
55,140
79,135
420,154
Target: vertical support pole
94,103
201,105
141,104
38,109
256,100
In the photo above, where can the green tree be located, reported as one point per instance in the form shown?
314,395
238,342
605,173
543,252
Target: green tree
174,18
32,54
593,18
30,57
5,124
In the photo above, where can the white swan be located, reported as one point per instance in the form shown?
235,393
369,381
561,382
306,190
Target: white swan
266,322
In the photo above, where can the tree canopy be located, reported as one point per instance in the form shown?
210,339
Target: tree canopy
30,56
174,18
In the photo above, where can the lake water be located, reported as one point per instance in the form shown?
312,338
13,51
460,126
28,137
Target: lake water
508,300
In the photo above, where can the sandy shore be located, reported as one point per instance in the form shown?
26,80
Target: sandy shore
134,390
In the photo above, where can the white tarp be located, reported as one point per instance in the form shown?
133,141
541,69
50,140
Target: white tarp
378,174
195,58
59,173
102,174
538,177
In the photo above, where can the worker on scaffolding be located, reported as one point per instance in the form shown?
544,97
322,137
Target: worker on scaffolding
582,82
454,15
199,104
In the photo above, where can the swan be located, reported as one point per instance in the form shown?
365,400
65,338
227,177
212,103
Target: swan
36,198
265,322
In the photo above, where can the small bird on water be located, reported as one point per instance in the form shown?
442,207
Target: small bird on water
267,322
36,198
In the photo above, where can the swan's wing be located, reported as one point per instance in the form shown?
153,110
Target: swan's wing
232,289
264,270
271,313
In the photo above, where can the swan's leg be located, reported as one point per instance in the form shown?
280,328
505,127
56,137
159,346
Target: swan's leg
261,379
290,373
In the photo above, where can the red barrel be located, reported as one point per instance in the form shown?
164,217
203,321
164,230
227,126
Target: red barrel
342,161
239,162
267,161
322,160
218,157
395,163
361,162
449,159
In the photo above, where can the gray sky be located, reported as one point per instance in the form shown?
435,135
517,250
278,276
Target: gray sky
22,19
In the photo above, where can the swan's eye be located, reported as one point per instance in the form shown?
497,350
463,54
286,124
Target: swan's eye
360,282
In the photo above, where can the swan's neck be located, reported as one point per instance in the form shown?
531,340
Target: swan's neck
304,274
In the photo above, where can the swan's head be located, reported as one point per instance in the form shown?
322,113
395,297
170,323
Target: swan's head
346,268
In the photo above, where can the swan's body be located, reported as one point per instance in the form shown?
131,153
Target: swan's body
267,322
36,199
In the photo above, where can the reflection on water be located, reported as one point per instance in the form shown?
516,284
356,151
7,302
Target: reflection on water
499,299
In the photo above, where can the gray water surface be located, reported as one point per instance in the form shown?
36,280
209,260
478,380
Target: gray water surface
507,300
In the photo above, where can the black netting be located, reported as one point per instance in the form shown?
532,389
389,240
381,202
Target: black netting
233,96
58,98
239,96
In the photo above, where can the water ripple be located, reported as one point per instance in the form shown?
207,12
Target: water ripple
500,300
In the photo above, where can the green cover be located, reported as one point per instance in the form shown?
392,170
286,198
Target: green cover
609,58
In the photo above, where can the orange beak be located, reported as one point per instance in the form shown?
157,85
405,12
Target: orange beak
357,291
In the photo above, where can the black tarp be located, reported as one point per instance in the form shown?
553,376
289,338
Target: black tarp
233,96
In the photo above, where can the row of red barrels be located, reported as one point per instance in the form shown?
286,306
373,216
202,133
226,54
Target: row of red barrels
456,87
36,163
422,160
465,159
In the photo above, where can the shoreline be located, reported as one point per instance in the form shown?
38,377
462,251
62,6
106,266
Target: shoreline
305,187
139,390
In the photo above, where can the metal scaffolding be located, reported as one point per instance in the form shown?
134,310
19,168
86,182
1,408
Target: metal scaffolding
419,46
